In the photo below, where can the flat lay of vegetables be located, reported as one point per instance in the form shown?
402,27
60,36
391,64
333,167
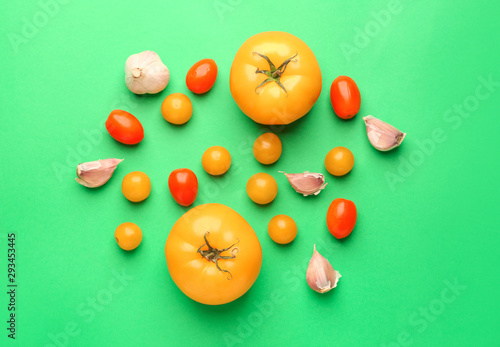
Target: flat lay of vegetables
212,253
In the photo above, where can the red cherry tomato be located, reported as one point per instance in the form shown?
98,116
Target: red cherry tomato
183,186
124,127
341,217
201,76
345,97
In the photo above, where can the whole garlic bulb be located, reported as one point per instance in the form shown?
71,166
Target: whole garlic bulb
146,73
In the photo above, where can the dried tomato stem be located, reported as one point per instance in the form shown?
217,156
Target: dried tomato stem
274,74
214,254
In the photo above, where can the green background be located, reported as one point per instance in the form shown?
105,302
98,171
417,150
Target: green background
427,212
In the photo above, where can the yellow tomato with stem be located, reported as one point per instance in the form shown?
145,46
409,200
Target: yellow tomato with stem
275,78
213,255
267,148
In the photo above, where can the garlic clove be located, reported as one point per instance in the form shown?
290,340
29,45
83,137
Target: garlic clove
146,73
95,173
382,135
321,277
307,183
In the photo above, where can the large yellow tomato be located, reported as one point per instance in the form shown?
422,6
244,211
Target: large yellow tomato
275,78
213,254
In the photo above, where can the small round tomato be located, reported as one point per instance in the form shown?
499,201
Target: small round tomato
339,161
216,160
213,254
183,186
267,148
136,186
177,108
341,217
345,97
201,76
124,127
282,229
262,188
275,78
128,236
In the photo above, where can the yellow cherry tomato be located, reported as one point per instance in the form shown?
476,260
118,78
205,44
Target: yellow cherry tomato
136,186
262,188
128,236
282,229
275,78
177,108
339,161
267,148
216,160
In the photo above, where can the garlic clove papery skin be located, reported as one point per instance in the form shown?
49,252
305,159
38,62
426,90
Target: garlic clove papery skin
382,135
145,73
320,276
94,174
307,183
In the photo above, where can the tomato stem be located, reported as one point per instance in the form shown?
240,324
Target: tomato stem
214,254
274,74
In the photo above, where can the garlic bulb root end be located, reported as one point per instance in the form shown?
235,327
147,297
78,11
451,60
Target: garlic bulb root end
145,73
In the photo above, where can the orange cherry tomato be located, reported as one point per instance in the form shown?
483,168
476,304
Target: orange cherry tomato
339,161
213,254
177,108
183,186
341,217
136,186
201,76
267,148
345,97
216,160
124,127
282,229
262,188
128,236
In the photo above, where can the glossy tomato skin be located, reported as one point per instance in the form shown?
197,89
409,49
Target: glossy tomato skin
282,229
183,186
262,188
341,217
270,104
345,97
128,236
216,160
267,148
198,277
201,76
339,161
124,127
177,108
136,186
